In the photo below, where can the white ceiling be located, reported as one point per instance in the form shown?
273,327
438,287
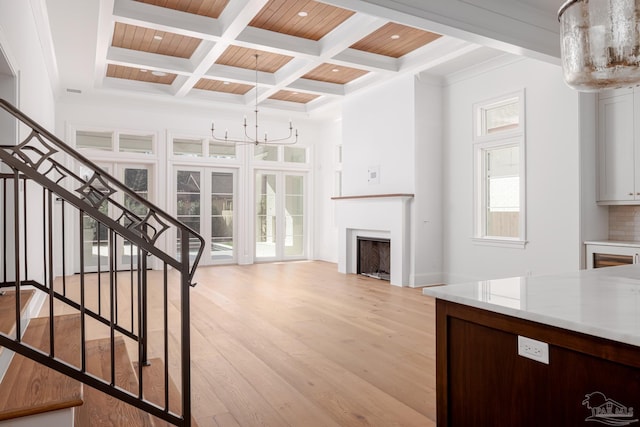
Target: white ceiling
81,32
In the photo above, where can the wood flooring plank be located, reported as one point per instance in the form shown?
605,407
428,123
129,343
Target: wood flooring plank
153,380
348,398
100,409
8,309
30,388
272,343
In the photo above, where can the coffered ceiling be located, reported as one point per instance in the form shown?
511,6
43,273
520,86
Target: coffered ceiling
304,54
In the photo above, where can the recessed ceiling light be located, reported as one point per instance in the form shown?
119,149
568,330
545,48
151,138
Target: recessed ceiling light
395,37
302,14
143,71
335,70
225,83
294,93
157,37
159,73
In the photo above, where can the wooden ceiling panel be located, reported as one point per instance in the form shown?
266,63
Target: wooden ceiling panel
153,41
395,40
209,8
334,74
287,95
235,56
282,16
130,73
222,86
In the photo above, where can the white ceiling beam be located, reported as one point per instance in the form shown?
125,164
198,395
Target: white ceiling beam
283,44
148,61
317,87
366,61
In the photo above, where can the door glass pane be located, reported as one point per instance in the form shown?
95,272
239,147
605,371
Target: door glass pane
503,192
188,205
136,144
265,215
294,216
94,140
222,216
137,180
263,152
94,234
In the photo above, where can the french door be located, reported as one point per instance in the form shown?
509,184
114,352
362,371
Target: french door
205,200
96,245
280,216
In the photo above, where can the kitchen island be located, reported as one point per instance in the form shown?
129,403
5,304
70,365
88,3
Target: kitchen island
560,350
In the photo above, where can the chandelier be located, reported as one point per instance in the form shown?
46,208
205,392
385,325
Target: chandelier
290,139
600,43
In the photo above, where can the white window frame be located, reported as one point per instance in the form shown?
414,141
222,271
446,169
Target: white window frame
482,142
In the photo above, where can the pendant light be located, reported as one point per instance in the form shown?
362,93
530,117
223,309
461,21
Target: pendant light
290,139
600,43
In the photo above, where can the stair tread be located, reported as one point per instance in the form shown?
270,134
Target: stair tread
99,408
30,388
153,378
8,307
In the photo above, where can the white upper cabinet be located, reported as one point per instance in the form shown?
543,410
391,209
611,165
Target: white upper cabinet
619,149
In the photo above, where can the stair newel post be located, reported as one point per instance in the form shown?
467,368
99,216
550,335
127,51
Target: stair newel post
185,287
16,247
83,349
145,325
49,207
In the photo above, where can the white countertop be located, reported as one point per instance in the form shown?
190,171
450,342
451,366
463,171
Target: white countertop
604,302
624,243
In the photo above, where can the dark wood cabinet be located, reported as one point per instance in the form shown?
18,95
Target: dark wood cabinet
483,381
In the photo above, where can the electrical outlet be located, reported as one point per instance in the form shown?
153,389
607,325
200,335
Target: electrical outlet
532,349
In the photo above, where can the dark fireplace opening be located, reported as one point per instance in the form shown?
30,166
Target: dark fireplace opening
374,257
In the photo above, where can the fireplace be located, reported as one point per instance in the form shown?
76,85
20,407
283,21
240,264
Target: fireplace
374,257
378,217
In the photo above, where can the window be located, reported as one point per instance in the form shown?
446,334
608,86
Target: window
94,140
222,150
187,147
295,154
499,159
115,141
265,152
136,144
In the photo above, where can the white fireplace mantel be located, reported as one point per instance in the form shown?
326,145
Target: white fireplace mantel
380,215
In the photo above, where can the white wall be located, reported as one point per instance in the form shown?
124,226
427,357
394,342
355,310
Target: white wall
21,45
552,169
378,130
325,229
427,216
20,39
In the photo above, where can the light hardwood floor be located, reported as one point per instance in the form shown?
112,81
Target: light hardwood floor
299,344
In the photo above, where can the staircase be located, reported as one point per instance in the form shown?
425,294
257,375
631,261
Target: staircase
108,347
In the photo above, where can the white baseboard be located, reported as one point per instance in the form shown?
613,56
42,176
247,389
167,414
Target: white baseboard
422,280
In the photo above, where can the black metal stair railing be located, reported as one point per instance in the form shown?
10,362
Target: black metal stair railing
47,211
